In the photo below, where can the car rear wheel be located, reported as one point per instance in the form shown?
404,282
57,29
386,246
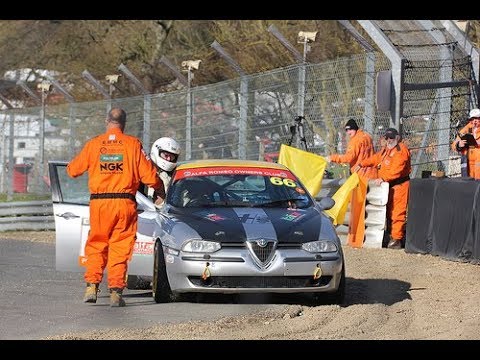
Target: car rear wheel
162,293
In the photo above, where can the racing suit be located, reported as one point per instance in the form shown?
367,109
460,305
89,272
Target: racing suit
116,164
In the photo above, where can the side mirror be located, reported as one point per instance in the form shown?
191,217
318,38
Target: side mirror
326,203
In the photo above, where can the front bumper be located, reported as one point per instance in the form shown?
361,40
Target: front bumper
232,271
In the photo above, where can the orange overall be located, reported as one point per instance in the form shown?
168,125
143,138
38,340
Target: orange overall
472,152
116,164
394,167
359,148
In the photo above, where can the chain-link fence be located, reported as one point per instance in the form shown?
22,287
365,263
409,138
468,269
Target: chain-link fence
248,117
437,94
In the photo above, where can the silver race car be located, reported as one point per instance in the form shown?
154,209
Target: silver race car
227,226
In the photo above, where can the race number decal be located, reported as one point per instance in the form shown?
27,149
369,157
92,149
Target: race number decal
279,181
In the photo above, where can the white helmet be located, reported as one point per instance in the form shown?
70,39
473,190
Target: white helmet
474,113
168,145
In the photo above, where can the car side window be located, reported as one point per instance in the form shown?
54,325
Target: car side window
73,190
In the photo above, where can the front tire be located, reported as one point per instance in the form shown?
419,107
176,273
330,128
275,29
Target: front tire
336,297
162,293
135,282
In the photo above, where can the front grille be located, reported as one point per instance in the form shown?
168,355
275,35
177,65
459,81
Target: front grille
262,251
263,282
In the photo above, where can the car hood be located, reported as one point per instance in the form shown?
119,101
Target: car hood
233,225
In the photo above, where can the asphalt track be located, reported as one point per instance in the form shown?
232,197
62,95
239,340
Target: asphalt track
37,301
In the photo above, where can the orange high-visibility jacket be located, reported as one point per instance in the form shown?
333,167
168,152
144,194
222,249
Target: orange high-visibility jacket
116,163
392,163
472,151
467,129
359,148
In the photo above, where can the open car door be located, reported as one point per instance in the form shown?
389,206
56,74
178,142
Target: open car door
70,199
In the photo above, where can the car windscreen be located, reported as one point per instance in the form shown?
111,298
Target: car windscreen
232,187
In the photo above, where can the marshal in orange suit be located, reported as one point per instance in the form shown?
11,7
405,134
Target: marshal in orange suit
116,164
393,162
360,147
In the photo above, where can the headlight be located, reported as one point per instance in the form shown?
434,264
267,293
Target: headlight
320,246
201,246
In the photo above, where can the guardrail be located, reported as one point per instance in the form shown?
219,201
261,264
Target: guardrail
27,215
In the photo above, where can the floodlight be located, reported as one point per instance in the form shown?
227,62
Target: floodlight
112,79
45,86
308,36
191,64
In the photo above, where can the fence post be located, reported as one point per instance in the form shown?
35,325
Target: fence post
242,126
147,107
71,121
11,159
369,112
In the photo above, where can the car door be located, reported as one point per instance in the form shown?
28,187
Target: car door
71,197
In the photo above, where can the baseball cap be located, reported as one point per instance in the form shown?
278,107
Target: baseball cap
474,113
391,133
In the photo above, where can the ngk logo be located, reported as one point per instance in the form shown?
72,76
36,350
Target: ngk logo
111,167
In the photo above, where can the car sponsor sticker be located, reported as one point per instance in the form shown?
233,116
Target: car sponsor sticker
292,216
111,158
143,248
228,170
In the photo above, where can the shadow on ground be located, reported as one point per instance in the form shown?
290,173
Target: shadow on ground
358,291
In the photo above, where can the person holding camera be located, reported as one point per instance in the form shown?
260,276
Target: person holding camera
467,143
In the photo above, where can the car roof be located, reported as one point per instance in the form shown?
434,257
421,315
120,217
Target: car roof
229,163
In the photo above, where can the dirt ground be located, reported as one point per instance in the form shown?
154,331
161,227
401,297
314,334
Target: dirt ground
390,295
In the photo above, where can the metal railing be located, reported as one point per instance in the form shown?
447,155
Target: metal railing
26,215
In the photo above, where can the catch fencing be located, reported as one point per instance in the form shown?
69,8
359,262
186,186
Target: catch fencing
251,116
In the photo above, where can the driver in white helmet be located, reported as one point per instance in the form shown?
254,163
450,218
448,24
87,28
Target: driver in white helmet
164,154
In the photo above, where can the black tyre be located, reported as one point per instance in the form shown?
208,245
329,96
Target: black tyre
135,282
336,297
162,293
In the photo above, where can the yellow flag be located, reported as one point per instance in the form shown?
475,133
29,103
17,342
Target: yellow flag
342,198
308,167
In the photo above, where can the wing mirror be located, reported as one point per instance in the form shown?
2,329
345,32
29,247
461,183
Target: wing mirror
326,203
